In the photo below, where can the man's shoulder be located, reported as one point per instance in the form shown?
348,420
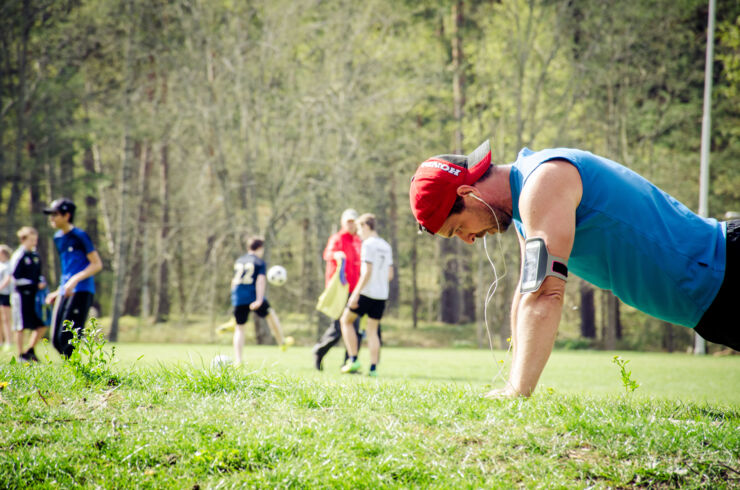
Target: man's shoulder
334,238
16,258
83,236
379,241
75,234
347,237
80,232
246,258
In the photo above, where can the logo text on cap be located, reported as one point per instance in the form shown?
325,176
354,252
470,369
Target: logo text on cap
442,166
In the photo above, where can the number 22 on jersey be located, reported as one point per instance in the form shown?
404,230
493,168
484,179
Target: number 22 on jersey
244,272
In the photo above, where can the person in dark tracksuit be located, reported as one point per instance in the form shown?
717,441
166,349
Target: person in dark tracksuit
343,245
25,276
80,262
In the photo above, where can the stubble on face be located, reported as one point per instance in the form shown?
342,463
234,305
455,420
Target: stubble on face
351,227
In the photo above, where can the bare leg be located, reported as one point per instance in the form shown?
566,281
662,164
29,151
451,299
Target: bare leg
373,341
5,324
19,340
238,343
36,336
348,331
274,323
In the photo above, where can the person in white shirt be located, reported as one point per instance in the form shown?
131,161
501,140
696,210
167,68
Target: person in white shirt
370,295
5,290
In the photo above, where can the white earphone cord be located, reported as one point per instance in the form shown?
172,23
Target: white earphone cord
491,291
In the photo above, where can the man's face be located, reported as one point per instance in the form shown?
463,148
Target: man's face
363,231
30,241
475,221
350,226
56,219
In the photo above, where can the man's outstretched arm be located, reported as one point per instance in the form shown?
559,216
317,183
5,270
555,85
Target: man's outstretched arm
547,207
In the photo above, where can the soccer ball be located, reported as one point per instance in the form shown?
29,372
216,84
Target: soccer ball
221,361
277,275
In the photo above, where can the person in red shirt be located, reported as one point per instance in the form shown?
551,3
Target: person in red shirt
342,245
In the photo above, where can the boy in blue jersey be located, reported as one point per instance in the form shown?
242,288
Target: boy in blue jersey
80,262
248,294
610,226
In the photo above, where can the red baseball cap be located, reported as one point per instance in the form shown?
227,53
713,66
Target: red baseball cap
434,185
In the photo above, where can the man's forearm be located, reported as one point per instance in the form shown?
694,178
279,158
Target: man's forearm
364,279
537,320
260,287
512,322
88,271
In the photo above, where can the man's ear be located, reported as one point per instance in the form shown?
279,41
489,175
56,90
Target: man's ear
464,190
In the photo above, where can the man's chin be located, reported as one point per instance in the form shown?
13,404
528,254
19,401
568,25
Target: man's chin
494,230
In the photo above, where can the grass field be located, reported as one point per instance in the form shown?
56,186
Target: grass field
162,418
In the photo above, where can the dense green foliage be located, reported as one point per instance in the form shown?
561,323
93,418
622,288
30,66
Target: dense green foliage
275,423
180,126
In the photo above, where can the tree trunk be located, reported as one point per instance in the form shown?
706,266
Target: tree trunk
121,240
610,315
262,333
394,292
104,192
162,286
415,303
450,295
43,249
309,271
20,110
66,171
458,77
91,199
588,311
132,284
146,308
669,339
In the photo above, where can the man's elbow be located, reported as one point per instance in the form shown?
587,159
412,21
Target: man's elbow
97,266
551,290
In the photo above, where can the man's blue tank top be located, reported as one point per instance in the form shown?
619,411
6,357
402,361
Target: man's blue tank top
634,239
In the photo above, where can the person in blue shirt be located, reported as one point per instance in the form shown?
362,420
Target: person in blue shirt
248,287
80,262
607,224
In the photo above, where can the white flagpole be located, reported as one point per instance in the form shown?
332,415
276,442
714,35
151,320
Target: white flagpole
700,346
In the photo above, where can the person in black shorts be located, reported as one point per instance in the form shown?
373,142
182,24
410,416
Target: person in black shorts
248,294
80,262
369,296
716,323
25,267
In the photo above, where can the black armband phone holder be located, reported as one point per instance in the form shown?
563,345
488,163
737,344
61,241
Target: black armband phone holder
538,264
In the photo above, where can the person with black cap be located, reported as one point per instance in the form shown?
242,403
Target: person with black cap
577,211
80,262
